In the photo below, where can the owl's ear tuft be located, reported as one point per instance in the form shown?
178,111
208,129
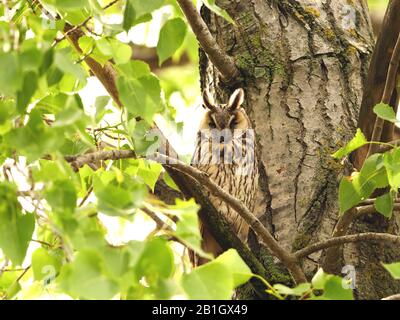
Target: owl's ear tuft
236,99
208,100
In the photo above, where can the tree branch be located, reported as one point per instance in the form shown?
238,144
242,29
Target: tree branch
262,233
377,75
220,59
80,160
332,263
368,236
387,94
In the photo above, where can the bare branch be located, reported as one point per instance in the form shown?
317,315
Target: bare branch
79,161
387,95
331,263
368,236
220,59
377,75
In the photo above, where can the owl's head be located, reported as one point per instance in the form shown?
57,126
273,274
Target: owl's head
229,116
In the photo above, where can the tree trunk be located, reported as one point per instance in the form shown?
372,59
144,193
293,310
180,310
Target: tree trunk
303,67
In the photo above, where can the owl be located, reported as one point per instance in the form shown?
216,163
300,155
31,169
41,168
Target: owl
225,150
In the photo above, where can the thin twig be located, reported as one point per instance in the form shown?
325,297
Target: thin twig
161,225
220,59
81,25
368,236
88,192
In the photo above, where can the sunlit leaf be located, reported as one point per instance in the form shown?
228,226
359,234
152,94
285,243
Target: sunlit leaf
353,190
217,10
171,38
384,204
85,277
385,112
217,279
16,228
394,269
358,141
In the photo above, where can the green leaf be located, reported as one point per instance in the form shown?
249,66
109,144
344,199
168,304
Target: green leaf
63,60
100,105
142,97
7,114
300,290
187,227
11,78
394,269
134,69
319,279
171,38
44,264
16,228
353,190
358,141
156,261
208,282
149,172
385,112
86,278
117,50
34,139
240,271
170,183
334,290
54,104
210,4
67,4
384,205
129,16
216,279
391,161
332,287
137,11
28,89
349,196
62,197
9,286
117,199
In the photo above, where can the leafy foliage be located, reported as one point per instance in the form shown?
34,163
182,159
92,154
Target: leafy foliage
322,287
380,170
66,232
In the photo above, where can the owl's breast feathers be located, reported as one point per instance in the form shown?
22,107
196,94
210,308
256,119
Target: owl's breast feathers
233,166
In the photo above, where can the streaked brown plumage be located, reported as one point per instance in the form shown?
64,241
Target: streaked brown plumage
225,149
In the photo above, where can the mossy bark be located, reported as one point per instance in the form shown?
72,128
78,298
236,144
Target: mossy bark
303,67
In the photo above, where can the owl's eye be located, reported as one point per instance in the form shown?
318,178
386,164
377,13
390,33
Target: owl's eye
212,125
233,124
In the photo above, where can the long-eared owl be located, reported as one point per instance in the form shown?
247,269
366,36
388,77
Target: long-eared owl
225,150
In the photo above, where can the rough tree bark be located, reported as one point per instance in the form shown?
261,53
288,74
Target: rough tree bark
303,67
